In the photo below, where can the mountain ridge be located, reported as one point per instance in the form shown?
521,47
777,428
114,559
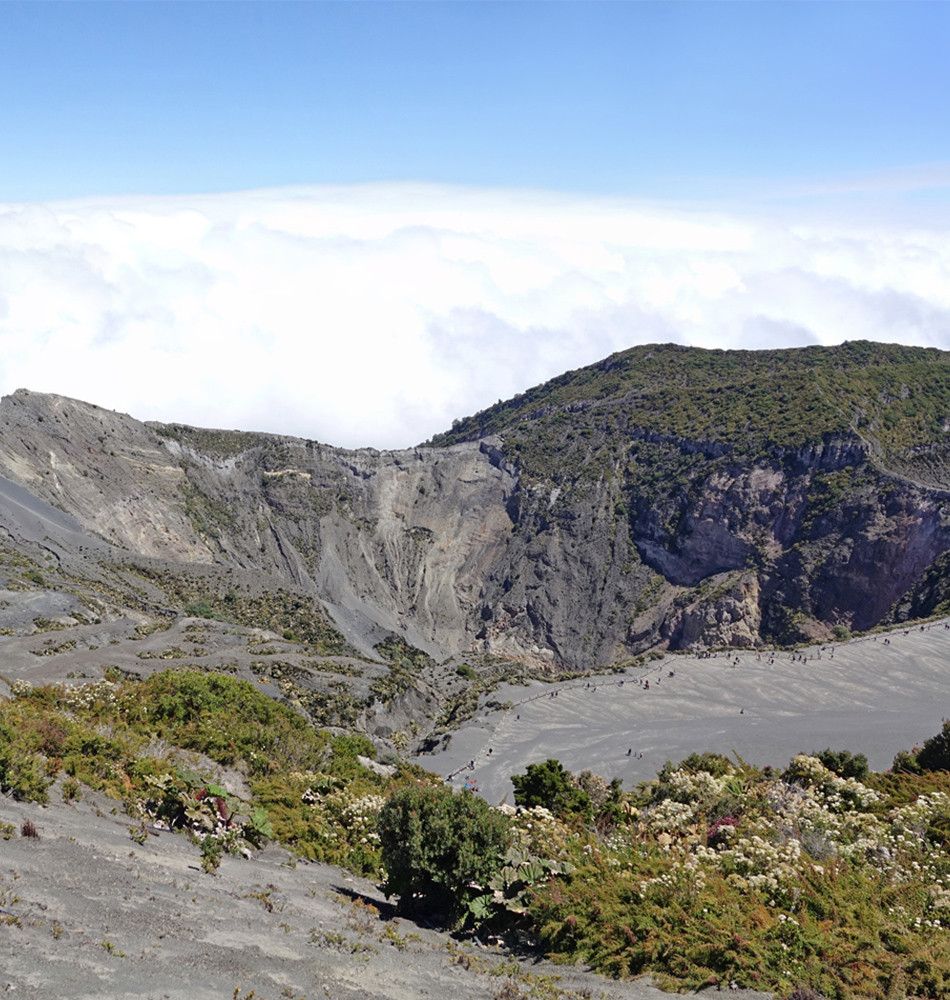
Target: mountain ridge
820,374
588,521
192,575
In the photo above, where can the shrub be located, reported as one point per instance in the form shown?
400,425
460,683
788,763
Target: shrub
211,852
934,755
712,763
228,719
72,792
844,763
440,847
350,745
549,785
199,609
905,762
841,632
22,771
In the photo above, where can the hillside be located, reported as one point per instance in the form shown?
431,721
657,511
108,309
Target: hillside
894,399
245,637
666,498
763,489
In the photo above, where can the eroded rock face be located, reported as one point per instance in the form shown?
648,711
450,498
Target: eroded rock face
390,541
104,468
671,543
729,617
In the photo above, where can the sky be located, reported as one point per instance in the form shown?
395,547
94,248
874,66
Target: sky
355,222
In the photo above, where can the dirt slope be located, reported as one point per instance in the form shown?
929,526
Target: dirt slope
88,914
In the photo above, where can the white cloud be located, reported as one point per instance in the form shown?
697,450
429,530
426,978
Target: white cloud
374,315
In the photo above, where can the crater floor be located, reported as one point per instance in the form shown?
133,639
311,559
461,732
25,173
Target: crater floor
874,695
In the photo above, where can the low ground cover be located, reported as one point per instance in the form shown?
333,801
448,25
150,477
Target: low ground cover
137,742
719,872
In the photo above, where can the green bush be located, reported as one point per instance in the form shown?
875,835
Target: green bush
905,762
841,632
229,719
844,763
549,785
350,745
321,804
934,755
24,778
715,764
199,609
440,848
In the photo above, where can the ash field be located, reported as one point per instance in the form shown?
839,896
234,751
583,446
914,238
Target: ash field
874,695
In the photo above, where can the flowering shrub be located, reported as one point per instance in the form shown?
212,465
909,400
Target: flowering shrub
698,788
21,689
670,816
536,831
812,880
326,818
96,695
838,794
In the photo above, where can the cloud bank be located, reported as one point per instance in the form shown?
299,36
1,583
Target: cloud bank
375,315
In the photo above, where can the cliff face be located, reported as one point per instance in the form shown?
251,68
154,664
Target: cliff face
575,537
388,541
723,552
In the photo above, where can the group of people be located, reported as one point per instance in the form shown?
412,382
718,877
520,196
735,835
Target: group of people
644,683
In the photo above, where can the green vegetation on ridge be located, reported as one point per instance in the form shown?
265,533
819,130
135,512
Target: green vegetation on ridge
895,396
135,741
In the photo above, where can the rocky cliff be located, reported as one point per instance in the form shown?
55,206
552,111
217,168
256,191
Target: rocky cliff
668,497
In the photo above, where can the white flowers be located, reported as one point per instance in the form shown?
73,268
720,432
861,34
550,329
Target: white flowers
914,819
696,787
84,696
77,696
669,816
838,794
360,814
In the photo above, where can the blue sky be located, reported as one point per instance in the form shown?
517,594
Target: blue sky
642,99
355,222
